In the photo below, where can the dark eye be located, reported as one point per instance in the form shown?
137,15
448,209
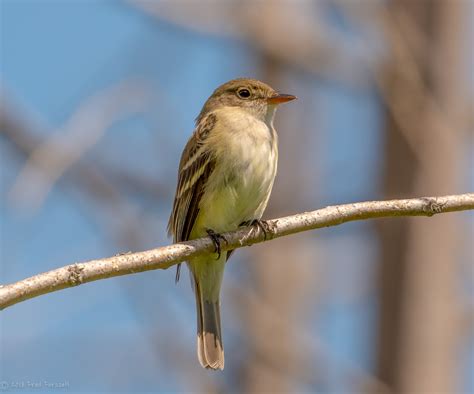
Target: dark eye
243,93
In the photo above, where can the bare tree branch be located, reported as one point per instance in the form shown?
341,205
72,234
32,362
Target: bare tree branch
83,130
93,179
167,256
322,49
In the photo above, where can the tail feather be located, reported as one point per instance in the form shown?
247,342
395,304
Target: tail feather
210,349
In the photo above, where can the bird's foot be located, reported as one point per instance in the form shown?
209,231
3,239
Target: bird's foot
216,239
266,227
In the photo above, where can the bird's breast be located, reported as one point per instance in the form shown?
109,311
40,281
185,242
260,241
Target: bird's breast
249,155
246,163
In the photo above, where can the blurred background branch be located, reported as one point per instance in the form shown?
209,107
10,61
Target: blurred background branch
52,158
309,45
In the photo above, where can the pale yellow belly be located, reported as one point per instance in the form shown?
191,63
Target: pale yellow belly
236,193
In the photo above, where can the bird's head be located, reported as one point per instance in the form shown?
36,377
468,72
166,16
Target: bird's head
254,96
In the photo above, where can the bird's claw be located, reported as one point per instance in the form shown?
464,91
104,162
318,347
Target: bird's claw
216,239
263,225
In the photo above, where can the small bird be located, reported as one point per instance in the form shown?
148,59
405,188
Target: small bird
225,178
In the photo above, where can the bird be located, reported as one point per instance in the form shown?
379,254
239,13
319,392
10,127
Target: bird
225,178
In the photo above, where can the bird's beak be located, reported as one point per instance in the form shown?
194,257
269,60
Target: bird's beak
280,98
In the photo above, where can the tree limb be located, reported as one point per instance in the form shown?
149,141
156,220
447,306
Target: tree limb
167,256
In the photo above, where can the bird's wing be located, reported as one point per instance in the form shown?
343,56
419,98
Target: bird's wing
196,165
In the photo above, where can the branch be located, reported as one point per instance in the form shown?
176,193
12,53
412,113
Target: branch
96,180
311,46
68,144
167,256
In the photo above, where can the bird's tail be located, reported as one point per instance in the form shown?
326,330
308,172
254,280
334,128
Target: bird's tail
210,349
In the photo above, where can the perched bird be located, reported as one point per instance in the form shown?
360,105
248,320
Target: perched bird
225,178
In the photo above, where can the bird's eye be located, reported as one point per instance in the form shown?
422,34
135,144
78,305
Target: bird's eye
243,93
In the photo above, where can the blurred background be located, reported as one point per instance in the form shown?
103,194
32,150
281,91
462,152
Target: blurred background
98,99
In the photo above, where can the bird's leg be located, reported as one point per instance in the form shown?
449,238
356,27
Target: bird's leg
216,239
